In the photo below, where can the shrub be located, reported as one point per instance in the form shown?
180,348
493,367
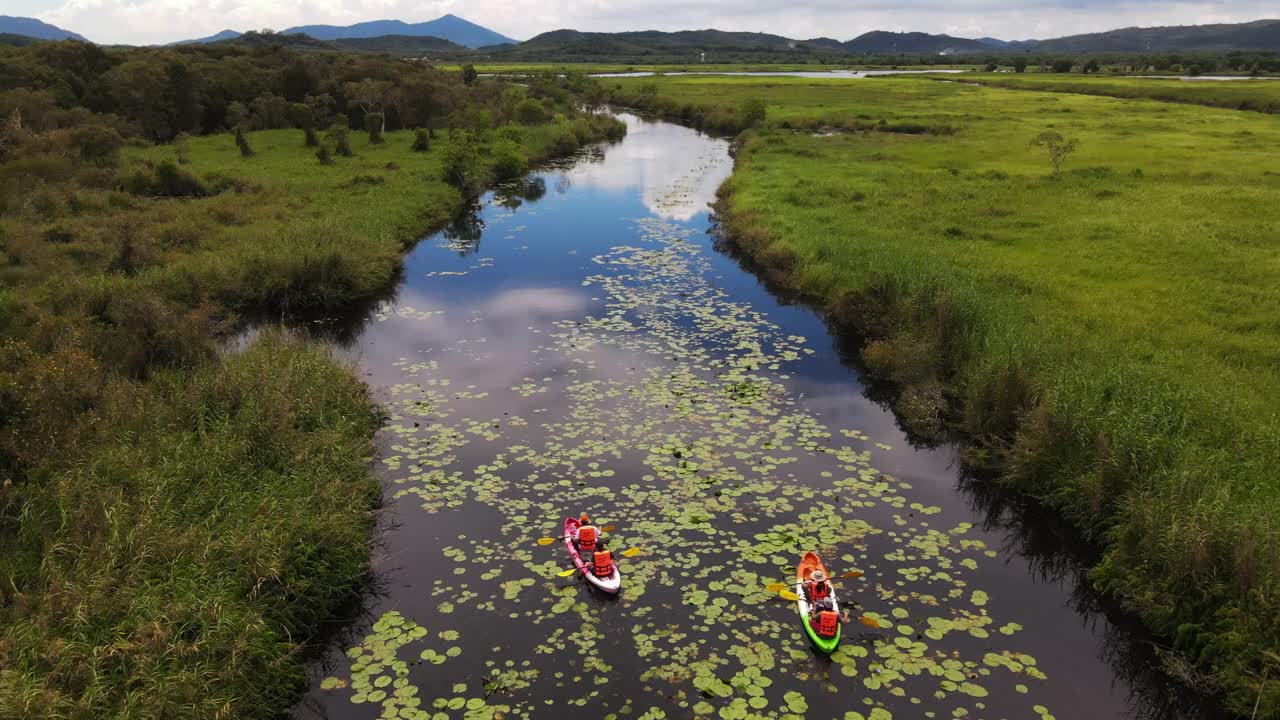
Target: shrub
1057,146
323,155
509,160
531,112
421,141
753,112
242,142
462,162
309,137
374,123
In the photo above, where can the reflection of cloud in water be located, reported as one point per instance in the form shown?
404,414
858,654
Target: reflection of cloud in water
676,169
493,345
529,302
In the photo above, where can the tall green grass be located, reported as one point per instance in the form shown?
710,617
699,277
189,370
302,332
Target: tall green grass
176,522
1256,95
175,571
1109,340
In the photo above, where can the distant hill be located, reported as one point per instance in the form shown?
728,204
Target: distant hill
880,42
400,45
217,37
397,45
995,43
17,40
657,46
1257,35
449,27
34,28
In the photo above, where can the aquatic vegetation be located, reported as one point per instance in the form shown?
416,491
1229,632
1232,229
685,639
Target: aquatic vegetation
712,476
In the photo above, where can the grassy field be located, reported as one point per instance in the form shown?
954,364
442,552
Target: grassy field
592,67
1261,95
1108,339
177,520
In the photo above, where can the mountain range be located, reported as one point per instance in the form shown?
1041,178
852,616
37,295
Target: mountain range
454,35
33,28
449,27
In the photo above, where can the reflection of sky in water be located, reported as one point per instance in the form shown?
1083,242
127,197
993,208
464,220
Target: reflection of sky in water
676,170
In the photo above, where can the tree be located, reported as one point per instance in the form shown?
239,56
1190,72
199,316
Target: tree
1057,146
469,74
1020,65
531,112
371,96
462,162
242,142
374,123
1063,66
338,135
753,112
1091,67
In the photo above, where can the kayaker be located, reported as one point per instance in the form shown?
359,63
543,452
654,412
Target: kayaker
818,586
587,539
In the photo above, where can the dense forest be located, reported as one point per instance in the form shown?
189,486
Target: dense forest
177,519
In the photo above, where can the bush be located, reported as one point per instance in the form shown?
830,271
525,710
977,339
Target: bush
753,112
374,122
531,112
309,138
242,142
462,163
509,160
324,156
421,140
166,180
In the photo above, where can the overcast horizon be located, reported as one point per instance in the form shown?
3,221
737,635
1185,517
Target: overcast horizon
142,22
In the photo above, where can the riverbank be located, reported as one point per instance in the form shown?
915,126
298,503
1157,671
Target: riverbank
1105,338
176,521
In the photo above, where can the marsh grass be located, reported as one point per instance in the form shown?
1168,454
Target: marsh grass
1256,95
175,522
174,572
1107,339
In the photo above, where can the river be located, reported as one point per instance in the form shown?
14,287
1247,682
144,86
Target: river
579,343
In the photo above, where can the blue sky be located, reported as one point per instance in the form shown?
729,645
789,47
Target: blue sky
160,21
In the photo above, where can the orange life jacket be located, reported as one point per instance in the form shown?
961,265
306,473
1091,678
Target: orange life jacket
828,623
819,590
603,563
587,538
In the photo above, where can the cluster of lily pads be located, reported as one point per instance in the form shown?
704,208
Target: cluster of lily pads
669,415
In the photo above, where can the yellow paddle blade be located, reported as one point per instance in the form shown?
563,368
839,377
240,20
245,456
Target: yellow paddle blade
546,541
788,595
776,587
609,528
568,572
852,574
869,621
631,552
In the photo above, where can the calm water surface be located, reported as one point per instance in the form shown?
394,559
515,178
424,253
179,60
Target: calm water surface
578,343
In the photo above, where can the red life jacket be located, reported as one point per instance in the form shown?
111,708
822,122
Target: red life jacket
819,590
828,623
587,538
603,563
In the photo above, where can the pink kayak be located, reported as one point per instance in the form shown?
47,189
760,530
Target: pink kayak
610,584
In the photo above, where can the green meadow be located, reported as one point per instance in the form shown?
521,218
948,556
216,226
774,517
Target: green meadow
1261,95
1107,338
187,513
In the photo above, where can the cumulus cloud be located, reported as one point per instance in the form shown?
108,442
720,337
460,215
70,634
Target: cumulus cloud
159,21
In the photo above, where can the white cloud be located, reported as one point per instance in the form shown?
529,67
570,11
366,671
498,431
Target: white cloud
159,21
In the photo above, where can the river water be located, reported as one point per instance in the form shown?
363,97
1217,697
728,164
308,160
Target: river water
579,343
